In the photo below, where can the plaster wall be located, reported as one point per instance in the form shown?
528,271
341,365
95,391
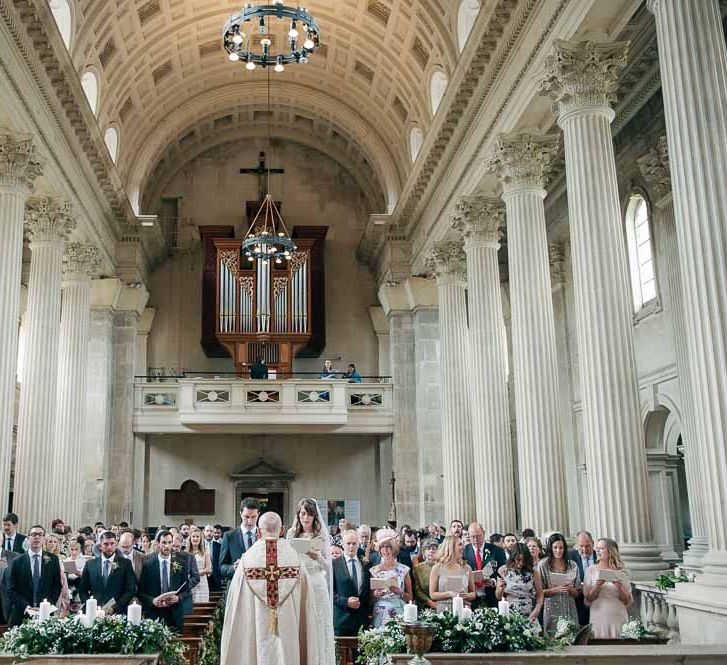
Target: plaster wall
314,190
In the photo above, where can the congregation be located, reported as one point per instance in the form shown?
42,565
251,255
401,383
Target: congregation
366,575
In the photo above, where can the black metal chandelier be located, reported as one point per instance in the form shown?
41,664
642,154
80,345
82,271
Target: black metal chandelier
267,238
250,35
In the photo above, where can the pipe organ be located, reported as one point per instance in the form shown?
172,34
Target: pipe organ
263,308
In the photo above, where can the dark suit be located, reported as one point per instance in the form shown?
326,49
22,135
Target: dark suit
150,587
584,612
17,543
346,621
231,550
20,584
120,585
5,605
494,554
214,580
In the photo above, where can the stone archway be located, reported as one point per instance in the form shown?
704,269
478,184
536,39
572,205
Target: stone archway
265,481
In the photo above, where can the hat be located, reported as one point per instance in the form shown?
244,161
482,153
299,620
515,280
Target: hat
384,536
430,542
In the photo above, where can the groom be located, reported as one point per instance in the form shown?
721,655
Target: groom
271,615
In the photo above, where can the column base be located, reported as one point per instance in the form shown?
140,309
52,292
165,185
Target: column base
643,561
693,558
701,611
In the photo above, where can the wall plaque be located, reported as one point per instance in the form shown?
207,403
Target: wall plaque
189,499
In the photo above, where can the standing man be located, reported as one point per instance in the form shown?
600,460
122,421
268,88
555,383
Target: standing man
6,560
164,585
110,579
350,589
509,542
184,530
237,541
13,541
213,547
34,577
584,557
456,528
128,551
478,555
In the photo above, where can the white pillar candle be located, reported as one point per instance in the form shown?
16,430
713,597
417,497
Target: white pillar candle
457,606
503,607
677,571
100,614
44,611
411,613
133,614
91,607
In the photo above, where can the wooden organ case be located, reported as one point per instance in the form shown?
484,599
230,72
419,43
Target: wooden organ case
263,308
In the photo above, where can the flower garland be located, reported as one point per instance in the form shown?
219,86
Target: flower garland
209,652
484,632
111,635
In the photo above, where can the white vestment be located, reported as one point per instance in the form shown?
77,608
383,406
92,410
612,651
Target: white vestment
250,635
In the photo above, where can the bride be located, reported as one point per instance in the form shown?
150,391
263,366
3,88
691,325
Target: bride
309,524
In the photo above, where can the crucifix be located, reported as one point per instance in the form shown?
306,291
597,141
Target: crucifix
262,172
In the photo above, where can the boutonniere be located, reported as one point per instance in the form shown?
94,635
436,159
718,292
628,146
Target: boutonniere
46,558
177,567
114,565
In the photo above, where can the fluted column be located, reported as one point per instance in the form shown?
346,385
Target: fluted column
448,262
655,169
19,167
80,264
522,162
581,77
479,219
49,222
693,63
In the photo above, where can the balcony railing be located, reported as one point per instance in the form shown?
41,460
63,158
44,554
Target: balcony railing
232,405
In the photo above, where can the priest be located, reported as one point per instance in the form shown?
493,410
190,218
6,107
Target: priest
270,612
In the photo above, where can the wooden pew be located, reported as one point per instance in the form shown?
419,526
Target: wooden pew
346,650
192,646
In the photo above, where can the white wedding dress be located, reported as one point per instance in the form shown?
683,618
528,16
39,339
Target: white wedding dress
319,586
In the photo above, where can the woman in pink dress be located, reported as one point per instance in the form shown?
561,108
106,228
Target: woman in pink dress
608,600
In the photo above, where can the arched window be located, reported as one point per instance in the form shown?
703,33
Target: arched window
468,10
89,83
437,88
64,19
416,139
111,137
641,258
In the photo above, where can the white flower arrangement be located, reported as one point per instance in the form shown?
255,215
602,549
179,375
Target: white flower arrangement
633,630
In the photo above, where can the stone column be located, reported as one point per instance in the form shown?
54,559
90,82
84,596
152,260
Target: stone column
19,167
381,328
142,340
49,222
81,262
522,162
581,78
695,96
655,169
479,220
448,262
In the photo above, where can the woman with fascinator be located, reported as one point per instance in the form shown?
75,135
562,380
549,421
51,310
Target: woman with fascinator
308,523
389,601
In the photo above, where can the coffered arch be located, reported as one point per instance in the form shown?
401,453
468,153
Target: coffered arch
158,57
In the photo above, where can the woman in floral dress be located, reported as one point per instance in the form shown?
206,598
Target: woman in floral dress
388,603
520,585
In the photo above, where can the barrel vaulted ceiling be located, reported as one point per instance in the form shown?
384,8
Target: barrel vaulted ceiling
165,82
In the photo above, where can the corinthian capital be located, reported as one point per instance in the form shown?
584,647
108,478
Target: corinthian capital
447,261
583,74
479,219
654,166
523,160
81,261
48,219
20,165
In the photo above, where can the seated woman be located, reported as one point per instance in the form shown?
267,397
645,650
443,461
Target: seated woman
352,375
520,584
561,583
608,600
451,575
389,602
421,574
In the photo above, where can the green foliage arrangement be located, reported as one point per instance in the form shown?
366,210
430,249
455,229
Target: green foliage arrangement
668,581
111,635
209,652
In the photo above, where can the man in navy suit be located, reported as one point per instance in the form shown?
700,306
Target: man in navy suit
214,580
237,541
478,554
12,540
33,578
350,589
584,557
110,578
7,559
164,584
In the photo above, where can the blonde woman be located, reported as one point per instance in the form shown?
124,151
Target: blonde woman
451,575
197,548
608,600
63,602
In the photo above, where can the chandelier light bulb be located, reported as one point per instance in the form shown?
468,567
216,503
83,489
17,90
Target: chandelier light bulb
250,66
309,44
234,57
237,38
279,66
265,42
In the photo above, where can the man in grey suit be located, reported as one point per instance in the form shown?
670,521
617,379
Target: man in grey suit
237,541
584,557
6,558
126,549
